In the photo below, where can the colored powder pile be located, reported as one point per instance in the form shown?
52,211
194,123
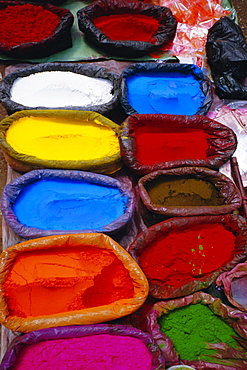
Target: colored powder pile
190,327
61,89
185,255
60,280
136,27
62,204
164,92
21,24
171,191
94,352
62,139
160,144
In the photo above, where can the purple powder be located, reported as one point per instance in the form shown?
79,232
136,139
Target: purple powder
102,351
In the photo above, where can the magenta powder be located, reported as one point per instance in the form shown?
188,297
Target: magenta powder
94,352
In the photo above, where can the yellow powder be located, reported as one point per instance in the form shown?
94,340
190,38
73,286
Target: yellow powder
62,139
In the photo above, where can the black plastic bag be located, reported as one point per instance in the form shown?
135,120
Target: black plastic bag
88,70
58,41
226,50
184,69
126,48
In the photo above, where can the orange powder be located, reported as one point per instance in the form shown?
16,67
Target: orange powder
55,281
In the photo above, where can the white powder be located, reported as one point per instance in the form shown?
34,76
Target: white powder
53,89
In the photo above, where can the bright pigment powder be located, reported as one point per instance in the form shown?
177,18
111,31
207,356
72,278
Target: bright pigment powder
25,23
56,280
94,352
136,27
160,144
185,255
53,89
190,327
62,138
164,92
184,191
68,204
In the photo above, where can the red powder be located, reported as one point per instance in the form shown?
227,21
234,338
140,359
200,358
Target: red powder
182,256
134,27
20,24
155,144
54,281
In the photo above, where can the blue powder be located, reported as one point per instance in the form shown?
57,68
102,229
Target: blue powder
68,205
164,92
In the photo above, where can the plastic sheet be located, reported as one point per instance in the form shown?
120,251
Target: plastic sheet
81,69
24,163
236,119
230,358
58,41
90,315
194,20
160,289
126,48
229,197
221,141
226,50
234,284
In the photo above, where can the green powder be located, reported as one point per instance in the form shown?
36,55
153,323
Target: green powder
191,326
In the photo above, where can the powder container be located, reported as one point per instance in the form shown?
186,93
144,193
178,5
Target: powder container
68,280
150,142
29,79
59,40
165,32
64,139
232,317
61,201
187,254
119,343
165,88
186,191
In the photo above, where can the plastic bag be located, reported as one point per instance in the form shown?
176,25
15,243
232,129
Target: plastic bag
226,50
58,41
126,48
89,70
24,162
13,190
67,332
169,68
221,140
164,289
92,314
229,197
230,358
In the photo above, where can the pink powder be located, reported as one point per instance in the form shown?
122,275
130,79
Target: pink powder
94,352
